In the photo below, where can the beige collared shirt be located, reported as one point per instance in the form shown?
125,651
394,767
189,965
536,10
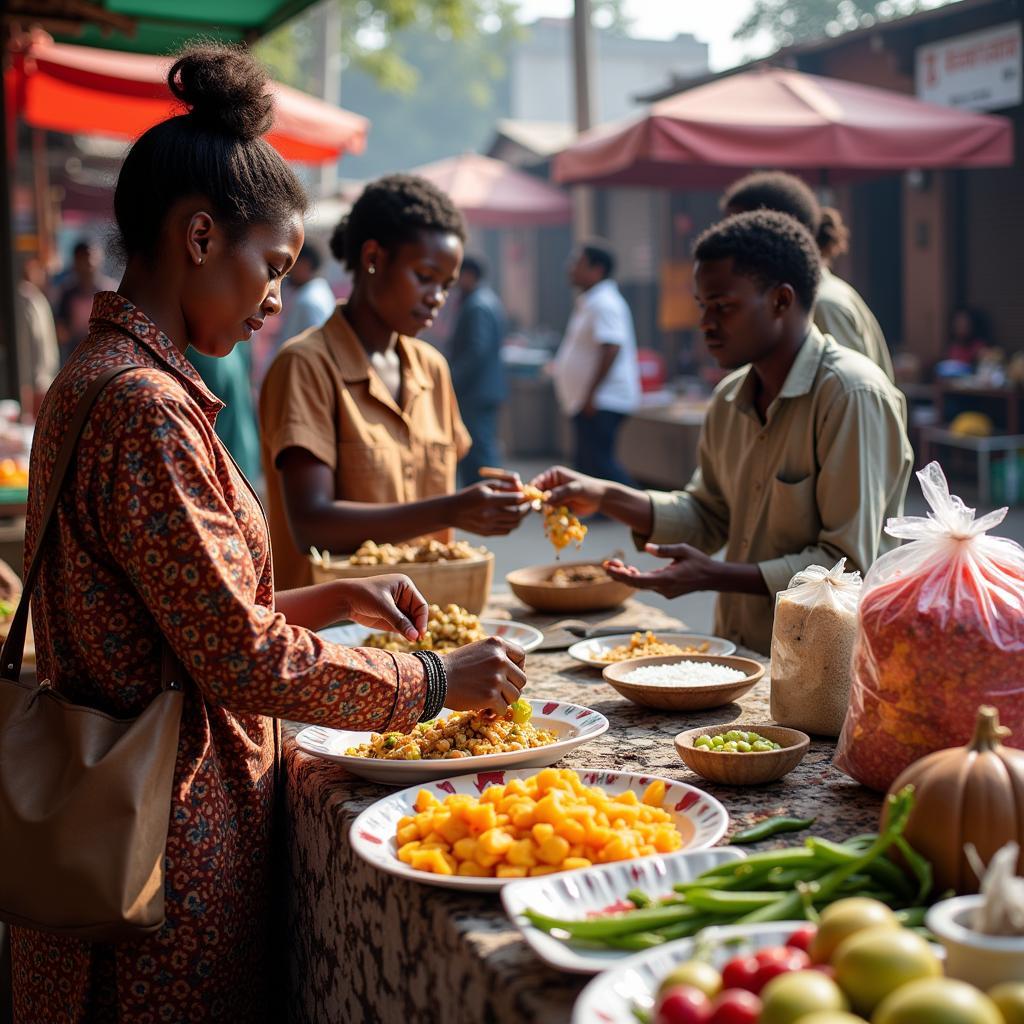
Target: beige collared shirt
322,394
840,311
815,482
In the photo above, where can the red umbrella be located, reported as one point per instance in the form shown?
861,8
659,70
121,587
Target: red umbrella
81,90
772,117
493,194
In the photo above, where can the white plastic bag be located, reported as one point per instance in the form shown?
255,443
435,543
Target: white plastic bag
812,648
941,632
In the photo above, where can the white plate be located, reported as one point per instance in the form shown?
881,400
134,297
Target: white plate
373,832
611,997
587,650
527,637
574,725
575,894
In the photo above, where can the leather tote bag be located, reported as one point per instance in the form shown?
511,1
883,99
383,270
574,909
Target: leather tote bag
84,797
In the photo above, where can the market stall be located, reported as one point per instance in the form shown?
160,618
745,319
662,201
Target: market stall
365,946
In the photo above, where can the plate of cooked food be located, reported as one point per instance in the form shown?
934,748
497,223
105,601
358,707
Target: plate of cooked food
531,734
480,831
447,628
567,587
602,651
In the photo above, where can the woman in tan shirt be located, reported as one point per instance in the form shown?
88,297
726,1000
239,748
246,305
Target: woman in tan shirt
360,428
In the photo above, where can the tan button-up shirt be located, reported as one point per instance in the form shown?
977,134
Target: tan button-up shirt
322,394
813,483
840,311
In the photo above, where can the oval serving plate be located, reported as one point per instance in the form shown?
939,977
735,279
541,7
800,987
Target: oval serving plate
373,833
612,997
588,651
575,894
528,637
574,725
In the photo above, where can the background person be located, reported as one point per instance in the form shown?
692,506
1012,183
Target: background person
74,300
839,309
478,375
172,546
38,352
360,428
308,299
803,454
596,373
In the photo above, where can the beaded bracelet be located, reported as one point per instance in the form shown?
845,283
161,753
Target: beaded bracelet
437,684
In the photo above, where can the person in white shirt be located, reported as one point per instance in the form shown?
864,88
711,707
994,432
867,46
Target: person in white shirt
309,301
596,373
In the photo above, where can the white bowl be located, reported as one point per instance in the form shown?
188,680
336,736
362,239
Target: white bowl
980,960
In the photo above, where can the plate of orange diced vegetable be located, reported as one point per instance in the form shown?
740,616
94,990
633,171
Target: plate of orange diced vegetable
480,831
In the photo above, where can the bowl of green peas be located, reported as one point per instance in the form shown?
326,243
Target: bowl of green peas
742,755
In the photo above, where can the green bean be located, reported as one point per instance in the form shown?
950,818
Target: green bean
912,917
613,924
880,870
722,901
771,827
920,867
639,898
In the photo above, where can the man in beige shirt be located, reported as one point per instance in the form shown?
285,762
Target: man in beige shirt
803,454
839,309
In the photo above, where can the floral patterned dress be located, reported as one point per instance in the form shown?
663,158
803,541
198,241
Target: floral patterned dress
157,534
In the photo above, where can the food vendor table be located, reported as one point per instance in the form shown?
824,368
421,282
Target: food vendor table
368,948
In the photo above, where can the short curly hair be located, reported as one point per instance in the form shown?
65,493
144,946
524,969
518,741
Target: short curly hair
393,210
774,190
771,247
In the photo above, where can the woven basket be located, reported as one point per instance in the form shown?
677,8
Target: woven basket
466,582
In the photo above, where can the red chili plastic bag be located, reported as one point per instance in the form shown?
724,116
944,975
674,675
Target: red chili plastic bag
940,632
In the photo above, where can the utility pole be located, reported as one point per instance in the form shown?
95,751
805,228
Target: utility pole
582,54
329,66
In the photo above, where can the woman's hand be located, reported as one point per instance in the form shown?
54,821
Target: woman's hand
690,570
581,494
389,602
490,509
486,674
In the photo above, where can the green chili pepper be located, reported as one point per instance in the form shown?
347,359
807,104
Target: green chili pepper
725,902
614,924
771,827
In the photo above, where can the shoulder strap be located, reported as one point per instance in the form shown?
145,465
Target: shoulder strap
14,646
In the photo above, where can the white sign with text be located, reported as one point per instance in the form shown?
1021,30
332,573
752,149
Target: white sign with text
979,71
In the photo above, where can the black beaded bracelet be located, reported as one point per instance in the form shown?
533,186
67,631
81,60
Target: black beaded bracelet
437,684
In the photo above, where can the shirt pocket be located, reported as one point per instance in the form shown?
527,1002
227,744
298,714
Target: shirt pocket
369,473
439,477
793,522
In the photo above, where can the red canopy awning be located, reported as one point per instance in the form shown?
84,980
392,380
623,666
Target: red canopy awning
81,90
493,194
773,117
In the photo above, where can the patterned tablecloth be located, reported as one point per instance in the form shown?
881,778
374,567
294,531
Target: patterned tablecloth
368,948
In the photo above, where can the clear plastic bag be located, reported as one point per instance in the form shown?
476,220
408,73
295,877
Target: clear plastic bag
812,648
941,631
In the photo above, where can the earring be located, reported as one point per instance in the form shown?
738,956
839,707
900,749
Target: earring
202,260
371,269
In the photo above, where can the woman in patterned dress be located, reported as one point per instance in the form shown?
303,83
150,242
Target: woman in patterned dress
158,536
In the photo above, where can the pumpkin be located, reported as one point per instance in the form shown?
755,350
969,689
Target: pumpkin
972,794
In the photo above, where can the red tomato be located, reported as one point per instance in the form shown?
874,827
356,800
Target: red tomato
739,973
801,938
772,967
735,1006
683,1004
774,955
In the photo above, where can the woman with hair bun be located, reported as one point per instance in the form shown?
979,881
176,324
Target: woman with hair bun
158,542
360,429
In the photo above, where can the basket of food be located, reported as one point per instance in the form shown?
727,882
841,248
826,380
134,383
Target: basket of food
567,587
455,573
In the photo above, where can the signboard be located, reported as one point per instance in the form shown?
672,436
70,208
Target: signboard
979,71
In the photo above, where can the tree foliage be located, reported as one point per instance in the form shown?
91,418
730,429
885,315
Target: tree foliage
799,21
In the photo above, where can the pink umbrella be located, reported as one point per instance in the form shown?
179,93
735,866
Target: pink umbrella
493,194
773,117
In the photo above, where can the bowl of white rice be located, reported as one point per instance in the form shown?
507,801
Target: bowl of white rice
690,682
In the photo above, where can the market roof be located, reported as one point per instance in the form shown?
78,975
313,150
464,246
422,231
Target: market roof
154,26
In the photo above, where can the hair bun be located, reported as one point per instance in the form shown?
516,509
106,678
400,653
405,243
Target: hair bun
225,89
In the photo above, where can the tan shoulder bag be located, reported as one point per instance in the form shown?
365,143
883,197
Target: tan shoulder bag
84,797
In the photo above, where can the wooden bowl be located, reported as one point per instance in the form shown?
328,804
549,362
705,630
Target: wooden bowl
685,696
744,769
465,582
533,587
